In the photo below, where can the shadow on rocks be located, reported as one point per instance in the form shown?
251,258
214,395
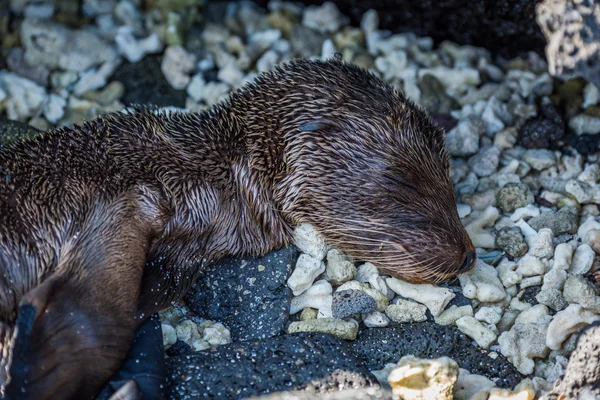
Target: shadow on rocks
311,362
379,346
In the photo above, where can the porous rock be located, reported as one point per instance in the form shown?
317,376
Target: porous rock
248,295
348,302
513,196
379,346
255,367
583,370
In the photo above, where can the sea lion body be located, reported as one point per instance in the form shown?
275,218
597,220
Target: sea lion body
105,223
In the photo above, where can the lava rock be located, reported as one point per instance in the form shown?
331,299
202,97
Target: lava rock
179,348
354,394
146,84
583,370
348,302
506,27
511,240
586,144
563,221
379,346
311,362
249,295
530,294
542,131
513,195
11,131
572,29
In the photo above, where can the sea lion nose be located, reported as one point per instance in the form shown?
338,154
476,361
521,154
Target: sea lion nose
469,262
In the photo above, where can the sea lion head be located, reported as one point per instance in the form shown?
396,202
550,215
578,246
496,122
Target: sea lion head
369,170
59,348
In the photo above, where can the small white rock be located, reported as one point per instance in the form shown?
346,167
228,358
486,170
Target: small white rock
482,283
590,95
318,296
533,314
325,18
406,311
307,269
309,241
541,245
563,256
215,333
177,65
453,313
376,319
475,330
489,315
54,108
133,49
508,274
435,298
567,322
583,259
530,266
529,211
169,335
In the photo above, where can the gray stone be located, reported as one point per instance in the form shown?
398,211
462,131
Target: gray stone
513,196
579,290
564,220
552,298
348,302
463,140
511,240
433,96
249,295
315,363
485,162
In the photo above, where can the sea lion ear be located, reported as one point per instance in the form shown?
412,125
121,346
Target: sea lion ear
318,125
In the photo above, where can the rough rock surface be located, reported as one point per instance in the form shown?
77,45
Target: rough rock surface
248,295
379,346
572,29
146,84
256,367
583,370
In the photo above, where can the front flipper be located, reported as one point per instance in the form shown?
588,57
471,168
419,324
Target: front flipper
143,373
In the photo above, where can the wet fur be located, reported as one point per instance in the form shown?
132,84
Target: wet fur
114,219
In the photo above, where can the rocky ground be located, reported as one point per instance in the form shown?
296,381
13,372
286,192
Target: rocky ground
524,149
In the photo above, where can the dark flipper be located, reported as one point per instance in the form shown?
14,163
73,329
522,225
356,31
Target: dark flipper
142,375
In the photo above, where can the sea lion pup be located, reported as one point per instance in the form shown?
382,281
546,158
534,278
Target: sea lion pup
103,224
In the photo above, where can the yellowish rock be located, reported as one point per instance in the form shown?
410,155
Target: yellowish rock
420,379
333,326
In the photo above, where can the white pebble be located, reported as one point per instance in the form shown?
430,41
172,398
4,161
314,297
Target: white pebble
590,95
215,333
307,269
489,315
479,236
24,98
563,256
325,18
435,298
533,314
475,330
463,210
555,279
589,224
133,49
482,283
530,266
96,78
507,272
526,230
309,241
453,313
318,296
54,108
169,335
529,211
365,271
567,322
583,259
376,319
541,245
177,65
